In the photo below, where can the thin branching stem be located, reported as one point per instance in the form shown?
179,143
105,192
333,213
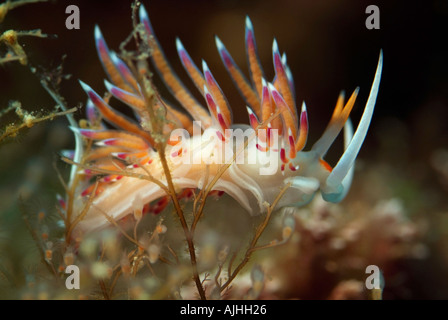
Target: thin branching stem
82,214
188,233
122,173
255,239
223,169
11,131
149,96
49,265
104,290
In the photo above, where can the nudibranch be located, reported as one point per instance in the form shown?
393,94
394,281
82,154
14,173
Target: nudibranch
200,137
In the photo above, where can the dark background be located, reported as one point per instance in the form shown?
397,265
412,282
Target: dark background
329,49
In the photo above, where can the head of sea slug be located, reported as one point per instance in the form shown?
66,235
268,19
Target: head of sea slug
201,138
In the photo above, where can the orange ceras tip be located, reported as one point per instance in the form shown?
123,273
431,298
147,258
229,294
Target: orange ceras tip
325,165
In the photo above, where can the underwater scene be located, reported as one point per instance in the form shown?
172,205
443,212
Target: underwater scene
223,150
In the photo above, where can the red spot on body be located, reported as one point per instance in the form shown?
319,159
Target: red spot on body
161,205
209,79
109,142
185,59
226,58
262,149
87,191
292,167
62,203
278,63
95,98
87,133
90,188
176,153
283,155
220,136
304,119
146,209
253,120
292,147
222,123
122,68
250,39
211,103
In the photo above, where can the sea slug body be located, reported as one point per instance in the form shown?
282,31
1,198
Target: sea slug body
201,140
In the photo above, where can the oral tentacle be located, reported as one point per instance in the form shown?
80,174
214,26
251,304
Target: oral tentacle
347,181
347,159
